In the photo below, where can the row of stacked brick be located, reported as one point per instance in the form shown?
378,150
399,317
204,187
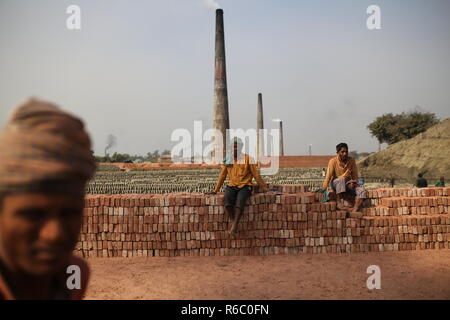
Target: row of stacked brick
195,224
404,201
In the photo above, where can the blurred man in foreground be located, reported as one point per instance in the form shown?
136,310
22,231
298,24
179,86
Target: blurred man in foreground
240,170
45,162
342,174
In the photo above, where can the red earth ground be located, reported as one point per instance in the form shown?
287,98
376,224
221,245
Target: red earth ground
404,275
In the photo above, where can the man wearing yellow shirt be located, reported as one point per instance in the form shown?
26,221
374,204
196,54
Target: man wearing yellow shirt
342,174
240,170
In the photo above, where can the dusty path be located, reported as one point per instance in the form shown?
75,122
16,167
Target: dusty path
404,275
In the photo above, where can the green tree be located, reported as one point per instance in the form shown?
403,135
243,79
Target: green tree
414,123
390,128
152,156
125,157
119,157
382,127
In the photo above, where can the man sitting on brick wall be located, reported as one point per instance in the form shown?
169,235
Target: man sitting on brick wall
241,170
45,162
342,173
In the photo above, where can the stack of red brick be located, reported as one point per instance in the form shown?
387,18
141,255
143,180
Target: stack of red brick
195,225
395,202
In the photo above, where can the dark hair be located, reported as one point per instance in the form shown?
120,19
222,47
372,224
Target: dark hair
340,146
420,175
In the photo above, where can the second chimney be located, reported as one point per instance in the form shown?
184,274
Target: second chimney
259,127
281,140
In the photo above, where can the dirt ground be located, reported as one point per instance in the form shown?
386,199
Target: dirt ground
404,275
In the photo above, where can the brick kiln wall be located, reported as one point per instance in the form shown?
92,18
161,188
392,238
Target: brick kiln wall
295,222
304,161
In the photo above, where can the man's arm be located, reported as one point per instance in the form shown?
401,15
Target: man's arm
330,171
255,172
222,177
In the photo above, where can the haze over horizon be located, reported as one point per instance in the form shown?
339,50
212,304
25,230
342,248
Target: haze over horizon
143,69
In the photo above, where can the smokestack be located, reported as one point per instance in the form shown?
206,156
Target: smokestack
281,139
259,126
221,120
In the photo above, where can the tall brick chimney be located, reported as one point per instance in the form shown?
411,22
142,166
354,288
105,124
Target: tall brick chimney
281,140
221,120
259,126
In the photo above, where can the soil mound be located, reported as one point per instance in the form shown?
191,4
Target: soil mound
428,152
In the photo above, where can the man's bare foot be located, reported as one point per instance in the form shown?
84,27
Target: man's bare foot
232,234
341,206
233,231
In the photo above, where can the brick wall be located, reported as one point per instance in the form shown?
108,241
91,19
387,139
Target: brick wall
305,161
295,222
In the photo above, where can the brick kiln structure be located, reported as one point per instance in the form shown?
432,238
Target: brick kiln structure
295,222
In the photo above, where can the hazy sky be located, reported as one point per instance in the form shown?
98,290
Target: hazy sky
140,69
